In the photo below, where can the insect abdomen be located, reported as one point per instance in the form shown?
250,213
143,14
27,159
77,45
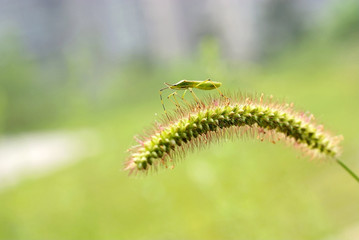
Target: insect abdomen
208,85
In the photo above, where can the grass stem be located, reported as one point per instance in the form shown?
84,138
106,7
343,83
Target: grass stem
348,170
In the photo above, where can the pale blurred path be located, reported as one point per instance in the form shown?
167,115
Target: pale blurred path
349,233
35,154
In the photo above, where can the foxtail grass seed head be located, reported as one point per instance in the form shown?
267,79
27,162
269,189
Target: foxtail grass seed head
214,119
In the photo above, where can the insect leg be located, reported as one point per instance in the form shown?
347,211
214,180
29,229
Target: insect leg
196,98
183,99
194,95
175,102
163,105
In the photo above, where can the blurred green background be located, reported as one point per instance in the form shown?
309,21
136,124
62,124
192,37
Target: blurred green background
238,190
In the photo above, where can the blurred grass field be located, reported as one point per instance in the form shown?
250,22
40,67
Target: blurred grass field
235,190
238,190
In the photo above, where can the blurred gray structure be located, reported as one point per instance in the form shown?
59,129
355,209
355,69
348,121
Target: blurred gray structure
34,154
161,29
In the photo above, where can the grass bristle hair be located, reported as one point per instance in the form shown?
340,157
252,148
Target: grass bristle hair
214,119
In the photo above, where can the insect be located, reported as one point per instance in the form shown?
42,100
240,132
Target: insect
189,85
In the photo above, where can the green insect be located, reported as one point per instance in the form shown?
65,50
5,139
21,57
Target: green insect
189,85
